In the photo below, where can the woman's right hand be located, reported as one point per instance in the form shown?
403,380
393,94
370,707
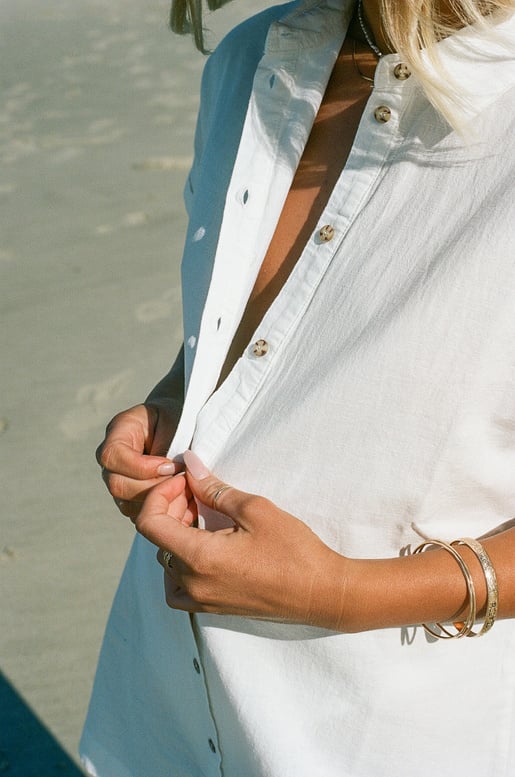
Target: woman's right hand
133,453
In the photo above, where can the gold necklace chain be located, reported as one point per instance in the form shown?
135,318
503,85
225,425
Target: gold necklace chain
367,32
355,63
359,31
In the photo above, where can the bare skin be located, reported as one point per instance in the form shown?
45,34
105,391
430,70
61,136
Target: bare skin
127,476
236,571
322,162
133,452
324,157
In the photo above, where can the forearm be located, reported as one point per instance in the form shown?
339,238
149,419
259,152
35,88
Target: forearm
423,588
172,385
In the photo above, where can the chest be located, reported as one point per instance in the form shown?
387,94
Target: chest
320,166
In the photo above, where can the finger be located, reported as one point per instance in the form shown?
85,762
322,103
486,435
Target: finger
190,517
185,506
169,499
128,509
241,506
126,445
117,455
129,489
188,508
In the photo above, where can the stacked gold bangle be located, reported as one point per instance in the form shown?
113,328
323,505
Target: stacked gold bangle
465,629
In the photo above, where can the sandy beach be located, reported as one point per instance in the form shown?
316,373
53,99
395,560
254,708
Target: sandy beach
98,104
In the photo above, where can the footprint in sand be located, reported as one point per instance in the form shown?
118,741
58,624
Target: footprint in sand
159,308
135,219
163,163
100,125
104,229
94,405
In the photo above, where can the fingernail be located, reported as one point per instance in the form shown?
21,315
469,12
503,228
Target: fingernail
195,466
167,469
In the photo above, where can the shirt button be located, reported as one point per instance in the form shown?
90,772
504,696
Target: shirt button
382,114
401,71
260,347
326,233
212,745
196,666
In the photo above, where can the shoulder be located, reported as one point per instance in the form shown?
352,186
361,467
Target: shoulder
238,54
226,89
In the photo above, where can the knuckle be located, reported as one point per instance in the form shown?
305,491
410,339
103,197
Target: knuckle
200,565
106,453
144,525
98,453
115,485
198,591
116,419
111,425
252,504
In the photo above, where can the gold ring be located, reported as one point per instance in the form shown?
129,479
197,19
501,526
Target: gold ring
219,494
168,558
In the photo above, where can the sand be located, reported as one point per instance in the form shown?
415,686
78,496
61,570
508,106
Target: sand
98,103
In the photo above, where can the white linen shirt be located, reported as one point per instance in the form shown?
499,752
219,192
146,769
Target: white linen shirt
382,411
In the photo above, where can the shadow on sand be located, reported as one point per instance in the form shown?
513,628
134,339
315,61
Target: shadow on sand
27,748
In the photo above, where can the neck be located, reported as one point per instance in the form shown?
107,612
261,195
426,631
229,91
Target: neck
372,13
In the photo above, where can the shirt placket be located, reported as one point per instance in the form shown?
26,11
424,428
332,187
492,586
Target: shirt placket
378,132
259,184
377,137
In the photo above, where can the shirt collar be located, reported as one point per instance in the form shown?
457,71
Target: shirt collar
481,67
309,24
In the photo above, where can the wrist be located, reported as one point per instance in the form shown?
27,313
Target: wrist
333,606
349,595
403,591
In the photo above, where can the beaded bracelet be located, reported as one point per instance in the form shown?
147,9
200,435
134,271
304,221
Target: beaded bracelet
492,591
463,629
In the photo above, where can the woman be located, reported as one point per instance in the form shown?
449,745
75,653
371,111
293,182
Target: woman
349,357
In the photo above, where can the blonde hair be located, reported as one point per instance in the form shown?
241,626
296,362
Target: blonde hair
414,26
410,26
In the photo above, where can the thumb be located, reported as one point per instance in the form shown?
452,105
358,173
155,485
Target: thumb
216,494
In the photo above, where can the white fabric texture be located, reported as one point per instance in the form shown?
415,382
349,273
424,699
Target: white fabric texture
384,410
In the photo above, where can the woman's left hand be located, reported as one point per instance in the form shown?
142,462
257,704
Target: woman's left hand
269,566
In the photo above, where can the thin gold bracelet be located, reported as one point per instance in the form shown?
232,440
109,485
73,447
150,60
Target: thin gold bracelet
492,591
463,629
